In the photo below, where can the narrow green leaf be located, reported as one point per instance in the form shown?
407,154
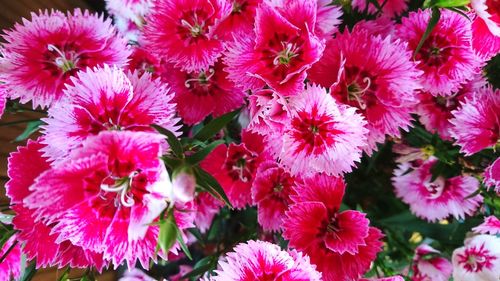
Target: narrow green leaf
168,233
64,275
451,3
172,140
31,128
171,162
215,126
436,14
183,245
210,184
459,11
199,155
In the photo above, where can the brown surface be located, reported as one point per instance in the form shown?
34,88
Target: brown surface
11,11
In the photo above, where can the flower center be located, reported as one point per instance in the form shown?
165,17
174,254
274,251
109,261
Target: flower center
121,187
435,188
196,28
355,92
202,79
290,50
62,61
476,259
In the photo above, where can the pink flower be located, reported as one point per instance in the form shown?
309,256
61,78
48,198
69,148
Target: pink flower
435,110
485,44
271,191
327,18
207,208
42,54
104,197
40,243
429,267
438,199
491,225
182,32
3,98
240,21
374,74
492,176
281,50
106,99
234,167
10,267
321,135
261,261
141,60
489,12
136,275
268,112
203,92
129,16
341,244
392,278
447,57
478,259
183,186
390,8
475,125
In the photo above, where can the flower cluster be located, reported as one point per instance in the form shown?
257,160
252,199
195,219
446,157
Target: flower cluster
227,127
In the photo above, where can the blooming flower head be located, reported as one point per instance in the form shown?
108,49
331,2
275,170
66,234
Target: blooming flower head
268,112
374,74
271,192
478,259
439,198
492,176
489,12
106,99
234,167
203,92
44,53
341,244
129,16
281,50
105,196
321,135
446,57
182,32
39,242
10,267
261,261
435,110
427,267
484,42
390,8
491,225
476,124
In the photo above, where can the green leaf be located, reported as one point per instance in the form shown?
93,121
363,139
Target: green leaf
168,233
215,126
29,272
172,140
451,3
459,11
199,155
210,184
202,266
64,275
436,14
31,128
184,247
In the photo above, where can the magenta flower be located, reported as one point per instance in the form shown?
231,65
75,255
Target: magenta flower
104,197
271,192
262,261
341,244
44,53
484,43
475,125
240,21
492,176
281,50
327,18
10,267
447,57
40,243
183,32
478,259
268,112
207,208
374,74
234,167
428,266
104,99
321,135
489,12
435,199
491,225
203,92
